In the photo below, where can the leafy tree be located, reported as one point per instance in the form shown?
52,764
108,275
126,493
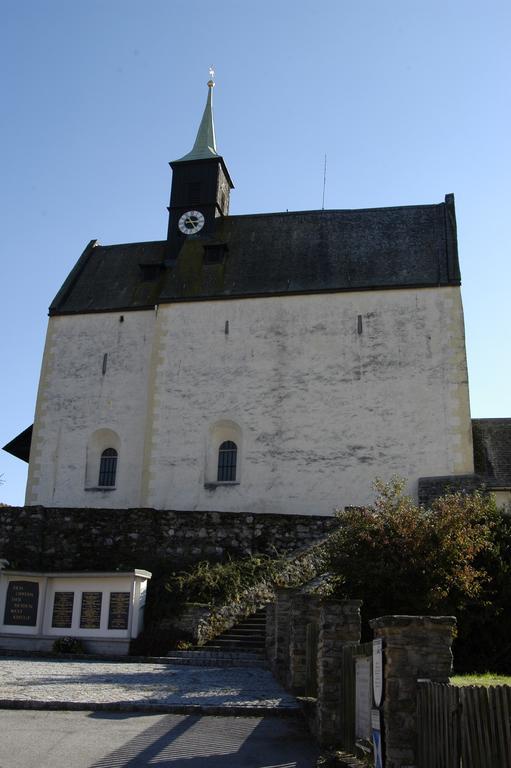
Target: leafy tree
402,558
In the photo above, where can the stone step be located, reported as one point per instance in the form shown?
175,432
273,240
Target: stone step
248,634
238,642
216,658
251,624
219,642
201,651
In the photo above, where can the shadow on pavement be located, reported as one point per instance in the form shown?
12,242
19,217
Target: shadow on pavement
193,741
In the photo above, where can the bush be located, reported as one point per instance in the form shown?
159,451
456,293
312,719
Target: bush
68,645
217,583
401,558
406,558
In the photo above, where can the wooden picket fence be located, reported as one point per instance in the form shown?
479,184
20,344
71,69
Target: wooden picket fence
467,726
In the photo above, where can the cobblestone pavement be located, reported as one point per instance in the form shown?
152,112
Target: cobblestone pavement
107,683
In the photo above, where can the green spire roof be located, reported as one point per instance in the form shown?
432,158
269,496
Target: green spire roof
205,143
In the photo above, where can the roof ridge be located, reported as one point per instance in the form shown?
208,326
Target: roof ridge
137,242
493,419
326,211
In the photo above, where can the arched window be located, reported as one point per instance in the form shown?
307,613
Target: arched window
227,455
107,467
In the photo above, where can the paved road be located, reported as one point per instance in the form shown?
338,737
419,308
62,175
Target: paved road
32,739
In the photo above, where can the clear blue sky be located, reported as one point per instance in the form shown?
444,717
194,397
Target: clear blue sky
409,99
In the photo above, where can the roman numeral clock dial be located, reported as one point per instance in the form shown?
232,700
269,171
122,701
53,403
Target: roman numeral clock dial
191,222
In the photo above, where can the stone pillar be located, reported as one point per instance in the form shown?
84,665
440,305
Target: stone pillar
414,647
283,601
339,625
304,609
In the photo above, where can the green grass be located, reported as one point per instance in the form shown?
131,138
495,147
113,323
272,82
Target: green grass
486,678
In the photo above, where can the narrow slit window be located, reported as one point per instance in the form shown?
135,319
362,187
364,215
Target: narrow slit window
108,468
227,458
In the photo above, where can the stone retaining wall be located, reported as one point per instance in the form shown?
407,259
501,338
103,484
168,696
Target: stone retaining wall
41,538
191,622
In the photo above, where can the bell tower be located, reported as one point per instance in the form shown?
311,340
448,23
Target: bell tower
201,185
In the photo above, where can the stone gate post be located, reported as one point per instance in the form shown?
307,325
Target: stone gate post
414,647
282,631
304,609
339,625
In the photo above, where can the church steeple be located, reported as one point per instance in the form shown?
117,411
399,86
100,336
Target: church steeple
200,185
205,143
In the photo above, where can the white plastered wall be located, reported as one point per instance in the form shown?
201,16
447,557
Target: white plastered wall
78,406
324,402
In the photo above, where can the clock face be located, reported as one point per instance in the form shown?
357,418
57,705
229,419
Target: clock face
191,222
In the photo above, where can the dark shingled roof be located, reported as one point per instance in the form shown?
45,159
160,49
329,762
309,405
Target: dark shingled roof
273,254
492,463
492,450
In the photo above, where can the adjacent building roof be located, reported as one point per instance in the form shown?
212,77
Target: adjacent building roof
492,450
20,445
268,254
492,463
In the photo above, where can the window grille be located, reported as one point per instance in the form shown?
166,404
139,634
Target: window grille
107,468
227,455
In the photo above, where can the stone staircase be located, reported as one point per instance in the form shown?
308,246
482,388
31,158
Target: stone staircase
248,635
241,645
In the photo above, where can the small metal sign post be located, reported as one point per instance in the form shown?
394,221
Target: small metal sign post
378,697
378,671
363,698
376,733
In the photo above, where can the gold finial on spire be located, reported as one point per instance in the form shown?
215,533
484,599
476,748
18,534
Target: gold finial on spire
211,81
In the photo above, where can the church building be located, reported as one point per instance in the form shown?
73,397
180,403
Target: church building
270,363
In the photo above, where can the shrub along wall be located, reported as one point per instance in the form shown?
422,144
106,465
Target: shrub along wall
203,622
41,538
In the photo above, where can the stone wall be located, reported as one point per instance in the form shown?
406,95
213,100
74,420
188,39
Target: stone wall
191,622
42,538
